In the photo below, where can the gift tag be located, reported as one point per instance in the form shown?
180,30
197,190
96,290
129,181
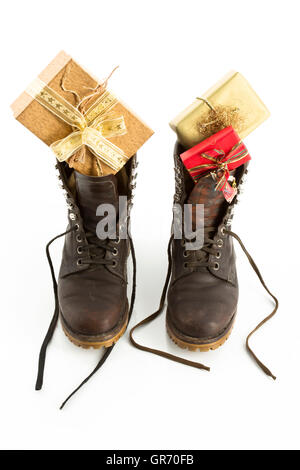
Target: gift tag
229,192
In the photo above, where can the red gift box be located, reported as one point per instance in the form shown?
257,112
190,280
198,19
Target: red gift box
217,155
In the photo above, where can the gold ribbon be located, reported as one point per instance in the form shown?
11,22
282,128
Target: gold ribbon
92,128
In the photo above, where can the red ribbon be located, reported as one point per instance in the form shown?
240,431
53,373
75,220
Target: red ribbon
216,161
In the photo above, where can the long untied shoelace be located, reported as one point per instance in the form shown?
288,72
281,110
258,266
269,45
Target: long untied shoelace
162,303
52,326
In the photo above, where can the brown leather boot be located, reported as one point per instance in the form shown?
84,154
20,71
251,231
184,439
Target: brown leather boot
92,285
91,296
203,291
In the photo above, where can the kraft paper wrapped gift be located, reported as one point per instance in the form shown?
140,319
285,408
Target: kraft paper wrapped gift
115,128
231,102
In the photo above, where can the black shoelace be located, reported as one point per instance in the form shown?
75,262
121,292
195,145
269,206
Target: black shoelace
95,250
201,262
94,260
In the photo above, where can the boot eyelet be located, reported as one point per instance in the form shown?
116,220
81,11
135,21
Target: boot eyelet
223,231
78,238
185,253
185,265
79,262
114,264
77,227
79,250
115,252
117,241
72,216
218,255
216,267
182,242
220,243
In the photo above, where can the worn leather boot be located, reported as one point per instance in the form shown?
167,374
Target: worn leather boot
203,292
91,295
92,285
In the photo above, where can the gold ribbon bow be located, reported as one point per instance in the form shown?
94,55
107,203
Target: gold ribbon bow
92,128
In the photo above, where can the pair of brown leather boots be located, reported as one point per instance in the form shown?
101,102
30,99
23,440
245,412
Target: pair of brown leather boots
201,285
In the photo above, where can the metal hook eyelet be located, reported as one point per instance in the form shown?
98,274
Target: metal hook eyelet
114,264
223,231
79,262
72,216
76,227
220,243
216,267
115,252
79,250
117,241
218,255
78,238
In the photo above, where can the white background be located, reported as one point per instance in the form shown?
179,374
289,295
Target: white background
169,52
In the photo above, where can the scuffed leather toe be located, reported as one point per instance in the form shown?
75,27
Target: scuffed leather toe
199,308
90,305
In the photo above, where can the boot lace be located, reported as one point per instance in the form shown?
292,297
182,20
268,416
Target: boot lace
205,250
94,251
199,258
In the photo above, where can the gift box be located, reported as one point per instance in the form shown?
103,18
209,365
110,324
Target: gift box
217,156
83,122
231,102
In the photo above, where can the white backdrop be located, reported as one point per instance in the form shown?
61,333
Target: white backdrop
168,52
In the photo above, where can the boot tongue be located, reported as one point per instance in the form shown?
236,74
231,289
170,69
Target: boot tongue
204,192
93,191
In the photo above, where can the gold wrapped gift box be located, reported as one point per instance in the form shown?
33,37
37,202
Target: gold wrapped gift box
67,83
233,102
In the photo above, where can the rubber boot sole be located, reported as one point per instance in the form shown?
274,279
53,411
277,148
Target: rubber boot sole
193,344
96,342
